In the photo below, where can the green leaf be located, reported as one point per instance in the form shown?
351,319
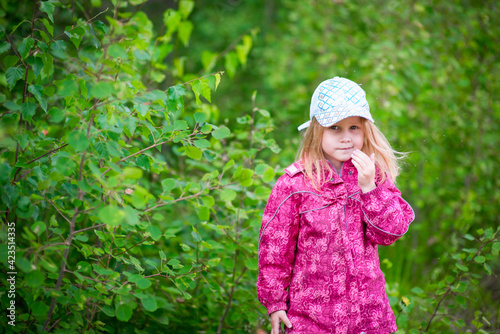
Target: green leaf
200,117
461,288
155,232
461,267
102,90
185,8
417,290
203,213
136,263
208,60
25,47
37,91
38,227
34,279
193,152
251,263
231,63
227,194
149,303
48,26
59,49
12,75
143,283
487,268
180,124
262,192
228,166
264,113
75,35
67,87
78,140
196,236
133,173
123,312
175,263
23,140
495,248
48,8
185,29
221,133
172,19
163,257
197,87
243,49
217,80
245,178
39,309
48,64
176,92
268,175
83,88
4,47
111,215
37,65
480,259
468,237
168,184
202,143
28,110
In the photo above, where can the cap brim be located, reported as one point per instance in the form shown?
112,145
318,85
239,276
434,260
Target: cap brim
304,126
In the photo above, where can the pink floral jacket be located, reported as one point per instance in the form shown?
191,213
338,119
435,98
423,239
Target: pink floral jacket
318,257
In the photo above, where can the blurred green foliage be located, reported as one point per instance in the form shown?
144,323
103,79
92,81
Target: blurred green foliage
430,70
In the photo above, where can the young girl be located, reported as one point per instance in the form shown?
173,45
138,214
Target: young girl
319,270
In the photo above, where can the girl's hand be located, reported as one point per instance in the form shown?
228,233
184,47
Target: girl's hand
366,170
276,318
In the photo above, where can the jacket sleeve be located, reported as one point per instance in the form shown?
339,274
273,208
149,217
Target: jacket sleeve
386,214
277,242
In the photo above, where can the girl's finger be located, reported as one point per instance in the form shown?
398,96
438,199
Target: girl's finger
358,163
362,156
275,325
286,321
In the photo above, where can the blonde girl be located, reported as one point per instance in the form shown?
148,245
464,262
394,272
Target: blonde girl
319,270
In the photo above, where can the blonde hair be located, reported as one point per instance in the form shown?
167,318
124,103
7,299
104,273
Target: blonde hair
312,159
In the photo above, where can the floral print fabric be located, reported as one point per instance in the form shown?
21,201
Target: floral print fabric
318,256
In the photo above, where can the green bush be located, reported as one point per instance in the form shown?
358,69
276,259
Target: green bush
136,207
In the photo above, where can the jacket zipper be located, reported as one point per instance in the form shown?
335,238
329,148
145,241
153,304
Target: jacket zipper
348,244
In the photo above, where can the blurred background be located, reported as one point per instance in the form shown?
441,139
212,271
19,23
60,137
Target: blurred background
431,73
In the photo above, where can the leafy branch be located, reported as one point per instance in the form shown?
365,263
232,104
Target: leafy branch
459,275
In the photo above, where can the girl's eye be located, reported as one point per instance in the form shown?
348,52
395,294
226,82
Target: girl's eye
334,127
354,127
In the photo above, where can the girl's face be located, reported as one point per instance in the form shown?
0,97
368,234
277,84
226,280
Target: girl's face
341,139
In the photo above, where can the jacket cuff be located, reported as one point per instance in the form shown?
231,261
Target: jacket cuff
374,192
277,307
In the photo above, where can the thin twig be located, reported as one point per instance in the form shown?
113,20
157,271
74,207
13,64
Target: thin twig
57,209
88,228
208,75
457,279
187,197
81,24
134,154
13,48
38,158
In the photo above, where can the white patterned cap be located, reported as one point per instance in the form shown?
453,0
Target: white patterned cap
336,99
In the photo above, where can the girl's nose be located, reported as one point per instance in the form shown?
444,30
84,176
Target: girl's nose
346,139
